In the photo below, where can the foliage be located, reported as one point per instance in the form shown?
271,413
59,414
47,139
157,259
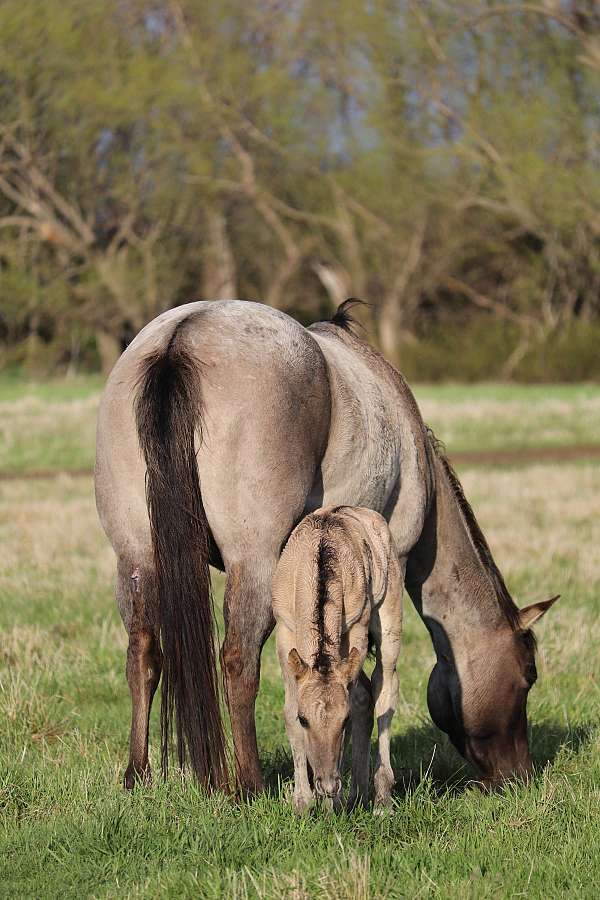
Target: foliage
427,157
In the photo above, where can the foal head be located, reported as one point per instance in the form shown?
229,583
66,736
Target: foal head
324,713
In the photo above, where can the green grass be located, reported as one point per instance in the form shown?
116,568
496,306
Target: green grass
511,416
68,830
53,390
52,425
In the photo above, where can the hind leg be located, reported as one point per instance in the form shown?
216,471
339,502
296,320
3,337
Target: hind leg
248,623
144,661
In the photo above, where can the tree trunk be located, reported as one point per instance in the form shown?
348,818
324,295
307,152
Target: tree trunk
218,278
388,328
109,350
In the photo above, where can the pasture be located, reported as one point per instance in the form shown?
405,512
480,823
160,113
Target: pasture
67,829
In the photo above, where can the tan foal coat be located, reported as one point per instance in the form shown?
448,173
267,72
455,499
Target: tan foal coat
338,583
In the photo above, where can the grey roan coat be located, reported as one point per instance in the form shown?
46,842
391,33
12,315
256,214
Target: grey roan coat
221,426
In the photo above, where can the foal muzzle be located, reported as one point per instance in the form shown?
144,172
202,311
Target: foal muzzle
328,787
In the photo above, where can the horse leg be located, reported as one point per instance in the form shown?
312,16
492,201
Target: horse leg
248,623
385,679
144,661
303,794
361,702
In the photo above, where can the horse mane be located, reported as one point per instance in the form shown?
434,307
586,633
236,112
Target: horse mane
480,545
343,318
328,566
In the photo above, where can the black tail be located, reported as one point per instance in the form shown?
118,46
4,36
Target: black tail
168,410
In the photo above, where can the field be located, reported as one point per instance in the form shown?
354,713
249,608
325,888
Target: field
67,829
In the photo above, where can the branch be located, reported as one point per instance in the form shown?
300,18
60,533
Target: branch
37,180
485,302
536,8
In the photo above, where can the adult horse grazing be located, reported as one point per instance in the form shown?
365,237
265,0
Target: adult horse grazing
221,425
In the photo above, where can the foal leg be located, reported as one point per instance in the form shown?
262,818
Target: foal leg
248,623
361,702
384,682
144,662
303,794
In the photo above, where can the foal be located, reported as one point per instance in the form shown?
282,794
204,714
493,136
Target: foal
338,582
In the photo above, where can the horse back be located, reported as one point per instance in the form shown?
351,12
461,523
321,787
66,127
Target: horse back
377,453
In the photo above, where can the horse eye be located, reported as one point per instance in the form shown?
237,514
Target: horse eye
303,721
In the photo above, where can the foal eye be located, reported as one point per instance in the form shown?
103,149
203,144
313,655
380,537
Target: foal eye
303,721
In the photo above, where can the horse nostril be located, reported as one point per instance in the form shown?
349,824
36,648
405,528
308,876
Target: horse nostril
331,787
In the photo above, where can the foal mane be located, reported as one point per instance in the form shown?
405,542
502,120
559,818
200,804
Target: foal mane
480,545
327,564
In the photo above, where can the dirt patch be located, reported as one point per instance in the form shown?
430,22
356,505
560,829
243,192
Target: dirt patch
524,456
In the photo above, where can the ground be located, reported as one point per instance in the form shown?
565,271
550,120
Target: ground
68,830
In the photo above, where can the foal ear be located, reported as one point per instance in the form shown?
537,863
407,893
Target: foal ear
352,666
529,615
297,664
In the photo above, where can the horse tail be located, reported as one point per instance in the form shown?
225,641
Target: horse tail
168,412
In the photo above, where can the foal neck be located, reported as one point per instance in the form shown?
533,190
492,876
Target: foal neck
319,607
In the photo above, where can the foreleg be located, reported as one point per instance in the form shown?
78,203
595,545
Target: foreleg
385,679
303,794
361,702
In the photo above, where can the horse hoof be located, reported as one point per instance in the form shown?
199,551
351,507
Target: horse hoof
302,805
382,806
134,777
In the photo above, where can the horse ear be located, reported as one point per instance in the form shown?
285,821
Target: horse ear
352,665
529,615
297,664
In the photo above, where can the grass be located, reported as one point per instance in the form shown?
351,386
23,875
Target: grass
68,830
51,425
511,417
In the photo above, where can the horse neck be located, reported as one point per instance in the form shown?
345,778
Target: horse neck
451,576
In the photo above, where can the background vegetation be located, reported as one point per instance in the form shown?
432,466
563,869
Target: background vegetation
438,160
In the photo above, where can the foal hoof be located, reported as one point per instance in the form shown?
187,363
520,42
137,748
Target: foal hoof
382,806
134,777
302,804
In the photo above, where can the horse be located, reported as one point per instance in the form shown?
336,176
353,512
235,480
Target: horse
222,425
338,589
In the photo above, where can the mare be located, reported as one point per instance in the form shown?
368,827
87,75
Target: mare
222,425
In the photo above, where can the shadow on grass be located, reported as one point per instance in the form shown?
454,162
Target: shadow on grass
547,739
423,753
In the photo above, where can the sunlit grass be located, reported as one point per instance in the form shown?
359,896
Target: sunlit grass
52,426
68,830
